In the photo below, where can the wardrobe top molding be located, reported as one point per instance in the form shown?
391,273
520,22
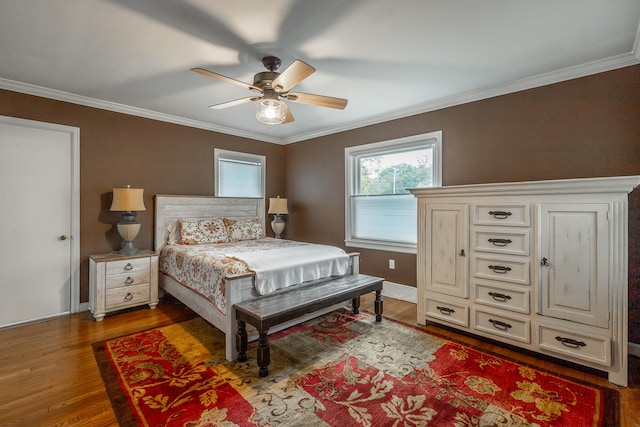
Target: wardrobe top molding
614,184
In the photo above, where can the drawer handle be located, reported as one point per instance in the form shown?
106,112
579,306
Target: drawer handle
571,343
129,281
128,267
499,269
499,297
500,325
500,214
128,297
446,310
500,242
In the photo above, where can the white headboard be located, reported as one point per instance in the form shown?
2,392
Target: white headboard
169,208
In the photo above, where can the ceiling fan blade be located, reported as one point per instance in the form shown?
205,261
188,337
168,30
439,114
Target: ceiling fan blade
234,103
289,117
319,100
225,79
294,74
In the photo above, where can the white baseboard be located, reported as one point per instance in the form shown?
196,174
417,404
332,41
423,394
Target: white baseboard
634,349
401,292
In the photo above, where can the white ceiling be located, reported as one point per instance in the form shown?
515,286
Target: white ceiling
389,58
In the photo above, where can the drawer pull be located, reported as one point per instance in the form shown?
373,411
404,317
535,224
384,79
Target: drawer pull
499,297
446,310
571,343
500,325
499,269
500,214
128,267
129,281
128,297
500,242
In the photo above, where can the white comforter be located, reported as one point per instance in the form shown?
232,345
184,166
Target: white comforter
282,267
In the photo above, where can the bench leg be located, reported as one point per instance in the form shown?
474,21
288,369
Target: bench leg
264,358
355,303
241,341
378,306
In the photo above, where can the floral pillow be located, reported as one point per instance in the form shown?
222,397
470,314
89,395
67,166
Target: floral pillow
194,231
244,229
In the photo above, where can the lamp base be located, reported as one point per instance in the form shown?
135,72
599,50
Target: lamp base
277,225
128,248
128,228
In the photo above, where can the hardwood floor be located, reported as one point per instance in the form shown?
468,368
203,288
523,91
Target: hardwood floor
49,377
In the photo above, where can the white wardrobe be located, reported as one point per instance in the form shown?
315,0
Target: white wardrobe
540,265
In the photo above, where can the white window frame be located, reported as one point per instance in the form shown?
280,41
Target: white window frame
219,153
352,154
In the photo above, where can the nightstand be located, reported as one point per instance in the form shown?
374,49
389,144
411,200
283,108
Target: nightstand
119,281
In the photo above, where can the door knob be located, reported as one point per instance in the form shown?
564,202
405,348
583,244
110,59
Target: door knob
63,237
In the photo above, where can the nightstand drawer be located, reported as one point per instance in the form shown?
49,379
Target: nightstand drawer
128,266
128,296
508,327
127,279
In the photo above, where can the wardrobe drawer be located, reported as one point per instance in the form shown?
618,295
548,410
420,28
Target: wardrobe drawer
503,326
128,266
506,269
513,299
127,296
497,214
455,313
499,241
581,345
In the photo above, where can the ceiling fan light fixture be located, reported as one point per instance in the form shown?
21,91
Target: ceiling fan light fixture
271,111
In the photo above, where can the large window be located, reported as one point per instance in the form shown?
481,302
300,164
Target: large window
239,174
380,210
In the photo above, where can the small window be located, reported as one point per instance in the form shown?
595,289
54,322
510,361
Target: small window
381,213
239,174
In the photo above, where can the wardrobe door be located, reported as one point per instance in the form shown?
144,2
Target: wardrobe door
574,262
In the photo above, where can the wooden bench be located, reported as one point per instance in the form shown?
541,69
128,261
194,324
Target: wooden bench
264,313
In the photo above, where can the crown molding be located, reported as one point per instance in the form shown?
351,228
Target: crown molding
59,95
595,67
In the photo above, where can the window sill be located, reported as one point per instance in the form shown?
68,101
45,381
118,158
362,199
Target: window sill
406,248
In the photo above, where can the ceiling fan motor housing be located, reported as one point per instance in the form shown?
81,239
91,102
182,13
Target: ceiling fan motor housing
263,80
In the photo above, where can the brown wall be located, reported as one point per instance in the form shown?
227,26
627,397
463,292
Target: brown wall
587,127
581,128
118,149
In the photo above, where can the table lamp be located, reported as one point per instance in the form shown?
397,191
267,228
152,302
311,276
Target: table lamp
128,200
278,207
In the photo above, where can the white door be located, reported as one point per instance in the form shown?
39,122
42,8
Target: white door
38,220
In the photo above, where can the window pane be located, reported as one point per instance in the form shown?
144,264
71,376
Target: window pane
239,179
395,171
391,218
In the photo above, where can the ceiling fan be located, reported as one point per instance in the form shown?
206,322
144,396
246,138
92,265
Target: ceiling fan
273,89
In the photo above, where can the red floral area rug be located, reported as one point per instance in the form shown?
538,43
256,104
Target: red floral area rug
337,370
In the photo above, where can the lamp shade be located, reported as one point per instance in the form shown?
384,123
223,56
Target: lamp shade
278,206
128,199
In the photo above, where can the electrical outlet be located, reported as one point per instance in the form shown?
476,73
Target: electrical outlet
392,264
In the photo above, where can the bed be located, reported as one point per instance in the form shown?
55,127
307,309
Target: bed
239,285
